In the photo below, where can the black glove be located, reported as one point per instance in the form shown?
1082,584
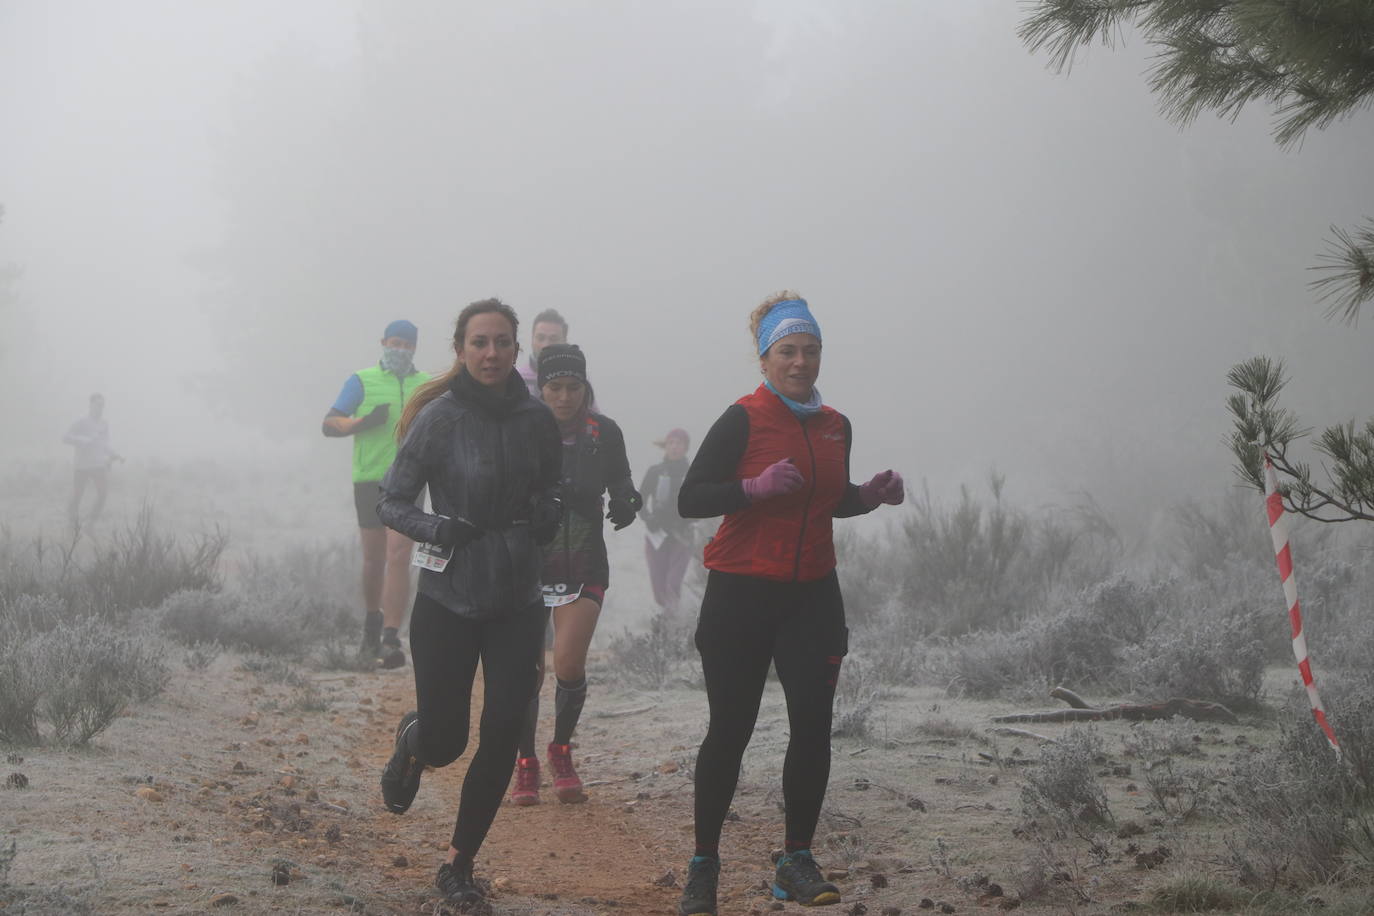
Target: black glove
457,533
621,512
544,520
376,417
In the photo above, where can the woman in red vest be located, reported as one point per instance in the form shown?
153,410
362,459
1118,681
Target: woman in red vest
776,465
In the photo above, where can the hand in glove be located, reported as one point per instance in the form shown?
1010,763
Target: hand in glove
545,518
376,417
621,510
885,487
457,533
778,479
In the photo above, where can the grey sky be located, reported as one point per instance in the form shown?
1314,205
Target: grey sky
1012,268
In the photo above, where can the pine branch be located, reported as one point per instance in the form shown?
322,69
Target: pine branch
1261,426
1064,26
1349,265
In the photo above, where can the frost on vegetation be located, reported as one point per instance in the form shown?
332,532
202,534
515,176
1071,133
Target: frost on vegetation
648,661
1064,788
74,679
1300,816
856,698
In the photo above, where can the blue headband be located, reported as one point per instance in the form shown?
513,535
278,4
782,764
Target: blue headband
791,316
402,329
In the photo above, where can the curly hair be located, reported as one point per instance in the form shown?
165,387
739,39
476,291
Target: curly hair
763,308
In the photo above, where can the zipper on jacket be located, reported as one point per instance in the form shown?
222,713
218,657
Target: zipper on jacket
806,506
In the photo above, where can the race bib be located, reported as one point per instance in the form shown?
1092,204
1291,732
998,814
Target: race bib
560,594
432,556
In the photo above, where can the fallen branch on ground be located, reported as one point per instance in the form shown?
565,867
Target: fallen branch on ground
1197,710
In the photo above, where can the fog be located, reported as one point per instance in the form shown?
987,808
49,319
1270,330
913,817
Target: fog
216,208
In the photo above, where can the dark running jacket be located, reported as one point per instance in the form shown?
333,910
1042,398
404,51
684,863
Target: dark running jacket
594,463
489,468
786,538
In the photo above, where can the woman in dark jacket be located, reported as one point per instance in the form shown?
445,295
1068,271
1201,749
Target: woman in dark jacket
576,572
490,456
776,465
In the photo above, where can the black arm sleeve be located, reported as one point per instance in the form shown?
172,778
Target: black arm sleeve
619,483
711,487
407,476
850,504
550,457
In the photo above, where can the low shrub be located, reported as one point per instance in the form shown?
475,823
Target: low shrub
1220,660
1064,788
647,660
76,678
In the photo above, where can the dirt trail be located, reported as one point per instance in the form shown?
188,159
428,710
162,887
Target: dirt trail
195,801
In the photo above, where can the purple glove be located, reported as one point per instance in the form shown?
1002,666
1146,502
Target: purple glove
778,479
885,487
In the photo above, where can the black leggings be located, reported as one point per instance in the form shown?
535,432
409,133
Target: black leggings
445,649
745,623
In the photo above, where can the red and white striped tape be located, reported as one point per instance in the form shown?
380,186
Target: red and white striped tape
1278,532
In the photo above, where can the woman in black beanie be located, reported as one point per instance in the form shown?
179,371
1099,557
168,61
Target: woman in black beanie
576,572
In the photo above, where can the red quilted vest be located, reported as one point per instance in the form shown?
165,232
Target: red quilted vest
787,538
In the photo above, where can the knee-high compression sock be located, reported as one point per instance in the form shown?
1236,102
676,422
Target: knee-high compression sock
391,638
568,698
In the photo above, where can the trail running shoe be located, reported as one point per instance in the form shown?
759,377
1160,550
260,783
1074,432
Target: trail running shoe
699,893
566,785
401,775
370,650
391,653
457,885
526,791
799,878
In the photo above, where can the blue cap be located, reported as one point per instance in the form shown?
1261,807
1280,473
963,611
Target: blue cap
403,329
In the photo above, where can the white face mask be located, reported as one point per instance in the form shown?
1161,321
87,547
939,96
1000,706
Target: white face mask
397,360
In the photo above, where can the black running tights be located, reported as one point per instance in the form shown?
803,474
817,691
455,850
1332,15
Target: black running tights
445,649
745,623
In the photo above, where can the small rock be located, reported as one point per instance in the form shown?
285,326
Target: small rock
878,880
223,900
1009,903
926,903
946,908
365,701
892,911
857,909
667,879
1128,830
1313,900
281,874
16,780
288,780
302,738
992,780
333,834
836,874
249,720
915,804
240,766
401,862
668,766
775,905
147,793
994,889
